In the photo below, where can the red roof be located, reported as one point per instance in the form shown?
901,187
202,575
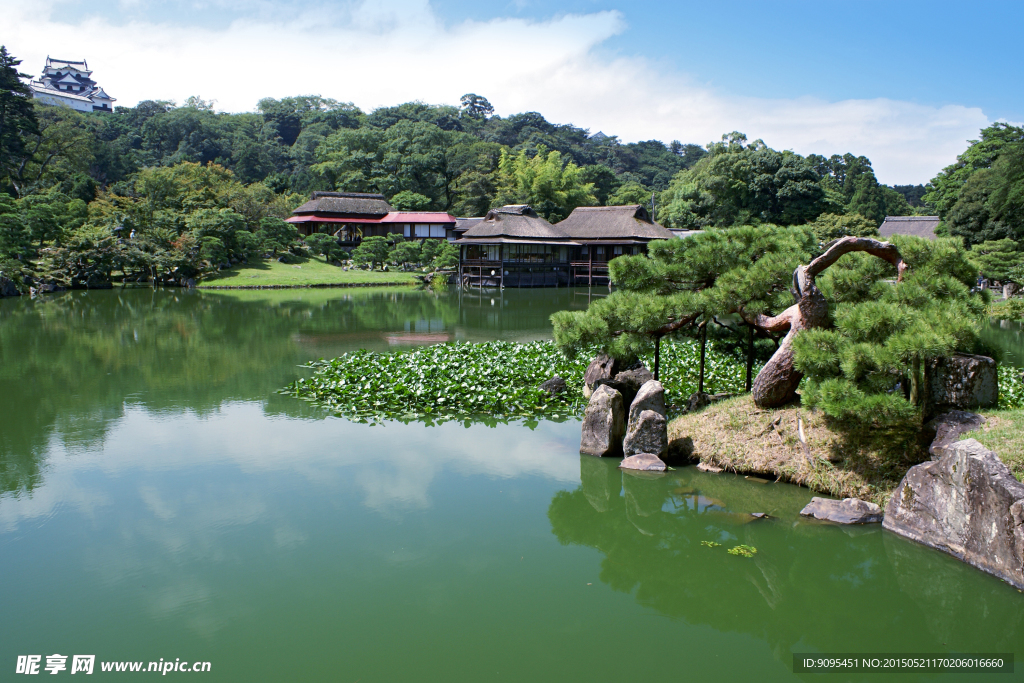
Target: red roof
418,217
324,219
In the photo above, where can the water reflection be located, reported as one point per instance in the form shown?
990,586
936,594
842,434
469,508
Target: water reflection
810,587
1007,336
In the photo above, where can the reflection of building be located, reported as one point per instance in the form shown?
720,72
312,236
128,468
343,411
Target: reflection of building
513,246
918,226
351,216
70,84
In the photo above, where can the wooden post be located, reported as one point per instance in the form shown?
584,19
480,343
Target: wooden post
750,358
703,349
657,355
590,271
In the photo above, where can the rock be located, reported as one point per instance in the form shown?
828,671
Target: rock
8,288
651,396
188,283
963,381
760,515
967,504
711,469
628,382
553,386
603,423
845,511
948,428
602,367
647,462
648,433
700,400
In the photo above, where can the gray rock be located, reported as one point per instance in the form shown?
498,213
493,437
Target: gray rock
845,511
650,397
8,288
647,462
700,400
711,469
603,423
628,382
948,428
967,504
553,386
647,434
602,367
963,381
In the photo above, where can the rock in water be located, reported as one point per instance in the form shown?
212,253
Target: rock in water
628,382
845,511
643,461
603,423
602,367
647,434
948,428
705,467
553,386
967,504
7,287
651,396
963,381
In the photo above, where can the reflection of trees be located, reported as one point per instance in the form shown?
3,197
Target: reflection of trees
69,363
810,587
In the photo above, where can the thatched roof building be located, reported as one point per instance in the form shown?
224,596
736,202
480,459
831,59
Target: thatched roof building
344,205
918,226
355,215
630,224
514,223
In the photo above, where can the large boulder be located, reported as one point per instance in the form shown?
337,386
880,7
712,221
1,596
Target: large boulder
648,433
845,511
603,423
963,381
967,504
948,428
651,396
628,382
7,287
602,367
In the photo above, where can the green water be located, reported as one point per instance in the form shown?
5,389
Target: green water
160,500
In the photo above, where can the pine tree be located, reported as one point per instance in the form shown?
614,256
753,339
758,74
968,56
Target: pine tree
17,115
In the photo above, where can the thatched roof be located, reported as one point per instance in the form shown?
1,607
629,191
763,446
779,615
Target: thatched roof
348,203
516,221
464,224
918,226
631,222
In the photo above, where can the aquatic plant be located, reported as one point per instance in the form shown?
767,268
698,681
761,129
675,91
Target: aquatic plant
493,381
710,544
1011,387
743,550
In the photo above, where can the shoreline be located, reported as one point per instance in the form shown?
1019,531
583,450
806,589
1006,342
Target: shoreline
315,285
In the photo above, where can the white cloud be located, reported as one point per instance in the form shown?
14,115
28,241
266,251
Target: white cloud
382,53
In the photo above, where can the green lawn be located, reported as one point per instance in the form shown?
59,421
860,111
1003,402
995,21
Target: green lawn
300,273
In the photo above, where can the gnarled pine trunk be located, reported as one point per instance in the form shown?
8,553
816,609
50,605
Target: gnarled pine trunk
776,384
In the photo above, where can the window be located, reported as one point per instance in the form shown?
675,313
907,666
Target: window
437,231
408,230
600,251
422,230
618,250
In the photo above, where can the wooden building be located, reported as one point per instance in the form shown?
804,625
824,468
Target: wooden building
514,247
918,226
353,216
604,232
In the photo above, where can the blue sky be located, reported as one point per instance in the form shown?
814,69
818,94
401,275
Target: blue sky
905,83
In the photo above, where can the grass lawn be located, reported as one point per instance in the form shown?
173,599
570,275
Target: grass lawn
305,272
1003,432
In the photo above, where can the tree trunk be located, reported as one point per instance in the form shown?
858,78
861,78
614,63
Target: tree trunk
703,350
657,355
750,358
778,380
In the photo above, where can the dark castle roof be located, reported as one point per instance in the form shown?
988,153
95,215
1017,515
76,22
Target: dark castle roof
918,226
349,203
613,223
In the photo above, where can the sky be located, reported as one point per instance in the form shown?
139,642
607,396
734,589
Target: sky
904,83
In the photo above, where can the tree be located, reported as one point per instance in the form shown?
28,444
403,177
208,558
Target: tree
996,259
476,106
831,226
446,257
17,115
630,193
372,250
405,252
684,285
871,366
275,235
543,182
980,154
407,200
60,146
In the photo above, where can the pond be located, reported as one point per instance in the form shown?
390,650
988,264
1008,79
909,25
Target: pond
161,501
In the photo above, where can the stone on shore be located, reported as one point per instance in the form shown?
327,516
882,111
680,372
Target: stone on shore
553,386
646,462
963,381
602,367
845,511
967,504
603,423
628,382
710,469
647,434
948,428
8,288
700,400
